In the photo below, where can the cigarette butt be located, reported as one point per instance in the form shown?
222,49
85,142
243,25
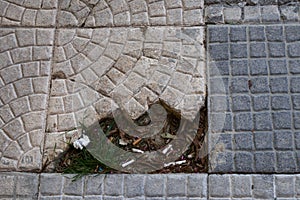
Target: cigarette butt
137,141
137,150
128,163
167,149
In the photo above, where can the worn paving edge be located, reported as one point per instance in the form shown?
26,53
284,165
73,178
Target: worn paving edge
254,101
243,13
150,187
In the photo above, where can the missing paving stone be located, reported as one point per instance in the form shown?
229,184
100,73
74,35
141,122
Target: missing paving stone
82,162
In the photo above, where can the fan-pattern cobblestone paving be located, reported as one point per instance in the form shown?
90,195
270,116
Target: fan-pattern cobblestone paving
52,78
107,13
40,13
25,73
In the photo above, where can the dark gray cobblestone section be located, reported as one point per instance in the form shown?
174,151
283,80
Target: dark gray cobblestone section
254,88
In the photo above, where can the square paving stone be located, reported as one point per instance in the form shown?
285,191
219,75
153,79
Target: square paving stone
238,34
155,185
238,50
261,102
294,66
176,186
241,186
219,186
262,121
241,103
263,140
244,162
239,85
258,67
239,67
285,186
263,187
278,67
243,122
265,161
258,50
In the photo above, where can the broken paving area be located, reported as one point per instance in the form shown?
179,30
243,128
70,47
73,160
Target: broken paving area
106,69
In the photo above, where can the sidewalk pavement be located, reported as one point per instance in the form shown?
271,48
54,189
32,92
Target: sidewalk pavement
63,60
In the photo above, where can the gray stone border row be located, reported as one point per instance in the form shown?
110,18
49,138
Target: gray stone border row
150,187
220,14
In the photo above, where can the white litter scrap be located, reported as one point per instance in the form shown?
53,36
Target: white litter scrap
122,142
165,151
175,163
128,163
137,150
81,142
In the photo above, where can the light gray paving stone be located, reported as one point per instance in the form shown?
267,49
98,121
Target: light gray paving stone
232,14
270,13
289,13
197,186
219,186
134,186
155,185
56,182
113,185
72,188
241,186
214,14
93,185
176,185
285,186
252,14
263,186
7,184
27,185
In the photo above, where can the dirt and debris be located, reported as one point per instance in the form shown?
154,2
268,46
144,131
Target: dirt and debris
81,162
